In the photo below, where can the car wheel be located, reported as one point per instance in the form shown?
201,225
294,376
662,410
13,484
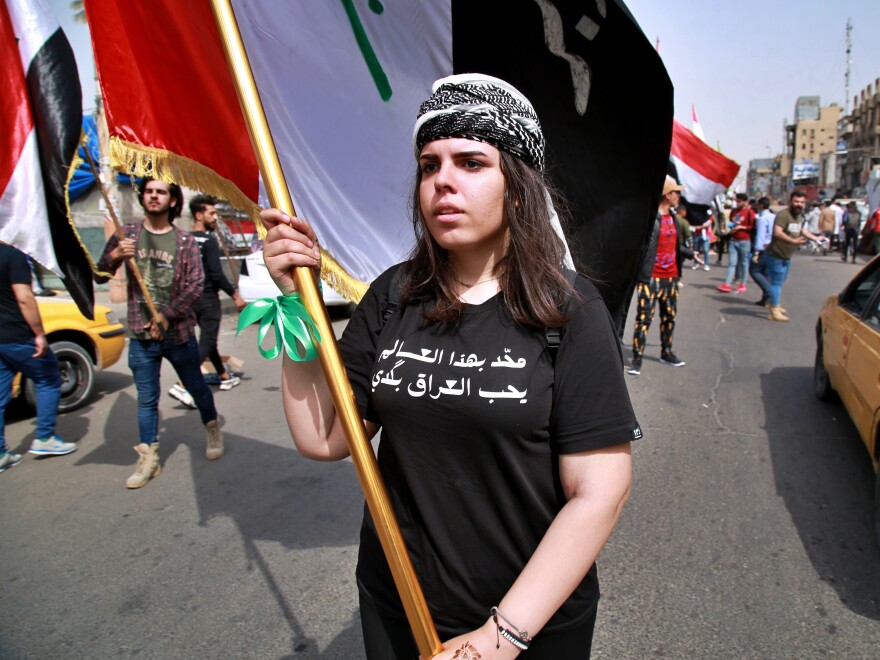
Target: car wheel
821,383
77,377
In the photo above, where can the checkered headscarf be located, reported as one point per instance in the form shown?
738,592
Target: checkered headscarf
486,109
482,108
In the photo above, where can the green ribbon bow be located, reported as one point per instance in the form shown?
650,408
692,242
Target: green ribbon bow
294,327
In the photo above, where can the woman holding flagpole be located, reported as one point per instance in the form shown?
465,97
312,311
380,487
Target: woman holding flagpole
496,378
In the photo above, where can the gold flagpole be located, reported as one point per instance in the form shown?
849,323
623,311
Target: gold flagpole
359,446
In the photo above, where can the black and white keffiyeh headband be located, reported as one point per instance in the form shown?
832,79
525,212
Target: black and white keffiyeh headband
481,108
486,109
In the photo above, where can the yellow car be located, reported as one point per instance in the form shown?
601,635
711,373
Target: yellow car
81,346
848,360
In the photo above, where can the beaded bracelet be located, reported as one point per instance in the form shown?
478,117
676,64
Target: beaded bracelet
520,640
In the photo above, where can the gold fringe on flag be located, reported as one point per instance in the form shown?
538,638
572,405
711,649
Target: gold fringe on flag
139,161
74,166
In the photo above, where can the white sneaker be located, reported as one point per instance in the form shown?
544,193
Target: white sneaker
706,267
695,266
8,459
178,392
53,446
229,383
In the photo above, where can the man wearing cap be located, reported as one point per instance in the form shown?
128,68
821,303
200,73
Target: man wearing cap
657,277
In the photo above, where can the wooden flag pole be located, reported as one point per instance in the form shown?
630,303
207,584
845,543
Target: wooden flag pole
359,446
232,267
132,264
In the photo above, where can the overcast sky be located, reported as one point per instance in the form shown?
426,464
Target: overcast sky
741,64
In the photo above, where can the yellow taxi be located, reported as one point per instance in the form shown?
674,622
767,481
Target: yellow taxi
81,346
848,360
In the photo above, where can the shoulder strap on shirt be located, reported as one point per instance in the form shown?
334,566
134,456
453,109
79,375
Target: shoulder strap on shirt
553,336
393,301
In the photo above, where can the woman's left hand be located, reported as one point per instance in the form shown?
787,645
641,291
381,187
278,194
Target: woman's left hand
477,645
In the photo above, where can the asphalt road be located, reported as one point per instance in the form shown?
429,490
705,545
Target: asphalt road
748,533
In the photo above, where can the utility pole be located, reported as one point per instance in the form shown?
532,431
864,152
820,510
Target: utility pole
848,65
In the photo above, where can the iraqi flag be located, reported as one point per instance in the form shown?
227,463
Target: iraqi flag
41,116
702,171
341,84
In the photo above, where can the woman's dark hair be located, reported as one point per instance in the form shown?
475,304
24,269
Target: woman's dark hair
533,285
173,190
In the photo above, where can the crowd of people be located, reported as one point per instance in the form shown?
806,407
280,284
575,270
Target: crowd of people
182,277
759,242
507,467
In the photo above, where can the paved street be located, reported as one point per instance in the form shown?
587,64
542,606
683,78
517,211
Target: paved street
748,533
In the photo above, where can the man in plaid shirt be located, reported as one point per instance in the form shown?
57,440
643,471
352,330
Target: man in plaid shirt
171,265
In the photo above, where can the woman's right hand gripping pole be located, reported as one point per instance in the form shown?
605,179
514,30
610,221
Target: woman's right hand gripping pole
316,431
290,243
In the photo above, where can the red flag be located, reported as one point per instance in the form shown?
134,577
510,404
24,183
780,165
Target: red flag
172,110
702,171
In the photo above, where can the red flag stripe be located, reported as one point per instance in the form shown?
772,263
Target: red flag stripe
15,114
703,159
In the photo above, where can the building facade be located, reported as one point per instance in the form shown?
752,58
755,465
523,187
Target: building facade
812,136
858,153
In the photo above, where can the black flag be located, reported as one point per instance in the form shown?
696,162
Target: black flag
605,104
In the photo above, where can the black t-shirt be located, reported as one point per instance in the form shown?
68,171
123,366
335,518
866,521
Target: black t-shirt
471,438
14,269
215,278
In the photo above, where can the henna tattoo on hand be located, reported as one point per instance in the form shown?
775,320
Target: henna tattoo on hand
467,652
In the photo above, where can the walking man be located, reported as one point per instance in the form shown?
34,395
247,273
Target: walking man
763,236
789,233
171,265
657,280
852,223
743,219
207,308
24,349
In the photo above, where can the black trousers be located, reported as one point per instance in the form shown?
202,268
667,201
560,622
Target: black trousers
850,243
208,315
386,638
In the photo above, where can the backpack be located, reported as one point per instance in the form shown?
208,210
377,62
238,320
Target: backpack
853,220
552,336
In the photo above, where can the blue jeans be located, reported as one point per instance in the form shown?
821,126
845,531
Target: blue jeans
701,244
758,271
777,271
43,371
739,257
145,360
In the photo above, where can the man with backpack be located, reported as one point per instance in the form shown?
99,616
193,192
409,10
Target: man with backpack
852,223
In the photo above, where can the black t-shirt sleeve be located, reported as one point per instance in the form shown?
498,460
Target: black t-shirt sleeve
591,408
359,340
